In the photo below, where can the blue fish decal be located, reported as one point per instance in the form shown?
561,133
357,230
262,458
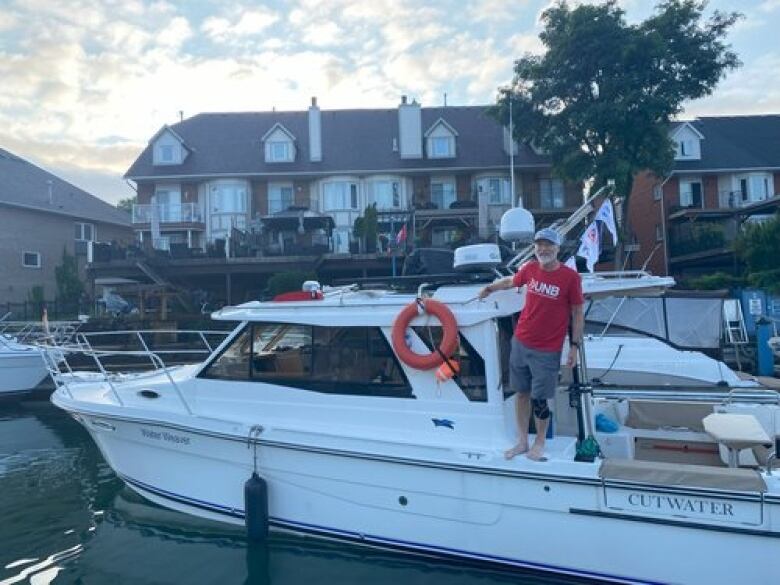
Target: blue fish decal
443,422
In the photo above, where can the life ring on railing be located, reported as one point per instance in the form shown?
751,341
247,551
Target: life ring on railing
449,340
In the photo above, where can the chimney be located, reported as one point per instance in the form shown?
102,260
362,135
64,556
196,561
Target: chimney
50,183
315,132
409,129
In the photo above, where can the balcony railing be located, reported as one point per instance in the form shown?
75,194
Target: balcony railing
736,199
184,213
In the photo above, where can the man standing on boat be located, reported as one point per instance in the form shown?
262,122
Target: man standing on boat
553,296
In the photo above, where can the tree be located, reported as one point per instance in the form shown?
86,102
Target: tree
126,204
600,100
366,229
69,285
757,247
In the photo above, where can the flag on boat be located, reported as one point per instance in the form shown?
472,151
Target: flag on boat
401,235
606,214
571,262
589,246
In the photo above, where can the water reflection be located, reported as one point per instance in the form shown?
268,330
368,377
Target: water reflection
66,518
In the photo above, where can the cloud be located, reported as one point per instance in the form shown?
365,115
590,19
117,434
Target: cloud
321,35
242,24
769,6
746,91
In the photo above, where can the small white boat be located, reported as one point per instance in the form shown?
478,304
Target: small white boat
21,368
625,360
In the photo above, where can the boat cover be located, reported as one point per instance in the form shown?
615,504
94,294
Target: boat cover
658,414
661,474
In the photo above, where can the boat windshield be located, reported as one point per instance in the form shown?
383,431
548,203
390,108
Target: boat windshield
336,360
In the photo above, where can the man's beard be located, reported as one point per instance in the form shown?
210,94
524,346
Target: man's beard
545,257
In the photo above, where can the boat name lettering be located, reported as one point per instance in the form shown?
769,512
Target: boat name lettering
681,504
165,436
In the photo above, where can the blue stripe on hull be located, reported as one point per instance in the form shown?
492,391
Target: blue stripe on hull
404,545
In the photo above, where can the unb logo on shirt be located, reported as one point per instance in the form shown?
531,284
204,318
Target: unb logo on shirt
542,288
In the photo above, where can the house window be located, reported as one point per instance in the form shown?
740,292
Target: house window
657,192
691,194
85,232
166,153
497,189
443,237
551,193
685,148
441,147
280,197
168,204
338,195
227,208
31,259
279,152
442,193
754,188
386,194
659,233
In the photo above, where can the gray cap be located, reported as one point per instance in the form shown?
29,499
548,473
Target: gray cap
548,234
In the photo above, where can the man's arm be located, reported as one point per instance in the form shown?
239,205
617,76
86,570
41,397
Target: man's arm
501,284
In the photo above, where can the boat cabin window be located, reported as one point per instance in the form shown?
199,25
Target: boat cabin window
471,377
336,360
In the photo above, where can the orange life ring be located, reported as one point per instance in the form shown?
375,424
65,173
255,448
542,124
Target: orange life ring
449,340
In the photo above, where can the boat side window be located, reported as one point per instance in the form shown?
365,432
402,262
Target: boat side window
233,362
334,360
471,377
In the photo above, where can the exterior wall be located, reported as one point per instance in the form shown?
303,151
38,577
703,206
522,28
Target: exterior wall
47,233
777,183
258,203
301,194
644,215
145,192
710,187
463,187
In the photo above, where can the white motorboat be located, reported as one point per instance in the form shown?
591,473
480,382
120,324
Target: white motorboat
21,368
354,443
626,360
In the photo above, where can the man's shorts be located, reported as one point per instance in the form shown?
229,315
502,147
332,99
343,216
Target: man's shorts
534,371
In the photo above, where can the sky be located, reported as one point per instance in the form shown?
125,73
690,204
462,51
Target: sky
84,84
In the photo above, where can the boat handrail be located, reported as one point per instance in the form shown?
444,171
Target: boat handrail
690,394
83,343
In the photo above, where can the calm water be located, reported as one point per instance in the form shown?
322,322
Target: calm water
66,518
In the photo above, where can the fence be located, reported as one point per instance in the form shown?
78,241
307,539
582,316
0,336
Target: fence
33,310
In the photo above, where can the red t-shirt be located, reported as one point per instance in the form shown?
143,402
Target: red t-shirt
549,298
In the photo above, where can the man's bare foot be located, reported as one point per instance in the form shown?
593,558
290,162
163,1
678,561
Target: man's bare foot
536,453
518,449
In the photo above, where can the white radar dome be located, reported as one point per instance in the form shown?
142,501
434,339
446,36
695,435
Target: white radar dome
476,258
517,225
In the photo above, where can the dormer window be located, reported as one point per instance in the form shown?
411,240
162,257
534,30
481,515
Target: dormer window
280,151
166,153
168,148
442,147
688,142
279,145
440,140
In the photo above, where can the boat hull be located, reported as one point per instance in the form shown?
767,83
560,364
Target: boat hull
20,372
518,519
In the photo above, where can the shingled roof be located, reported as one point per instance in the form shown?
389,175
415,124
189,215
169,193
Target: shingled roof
22,184
736,143
229,144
